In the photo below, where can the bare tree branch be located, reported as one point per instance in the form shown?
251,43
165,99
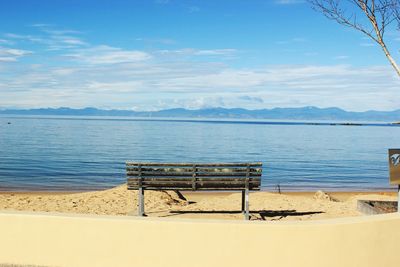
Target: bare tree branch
397,12
377,16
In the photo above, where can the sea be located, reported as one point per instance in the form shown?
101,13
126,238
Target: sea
53,153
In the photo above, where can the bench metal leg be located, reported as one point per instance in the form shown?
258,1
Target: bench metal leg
243,201
141,201
247,212
398,198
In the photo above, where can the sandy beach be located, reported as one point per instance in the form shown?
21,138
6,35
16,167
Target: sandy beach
226,205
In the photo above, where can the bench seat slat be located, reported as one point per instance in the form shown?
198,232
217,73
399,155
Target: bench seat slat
197,177
173,188
190,188
160,174
198,174
197,183
252,164
198,169
204,179
198,186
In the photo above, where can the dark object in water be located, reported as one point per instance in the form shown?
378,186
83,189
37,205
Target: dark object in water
338,124
278,187
371,207
350,124
8,122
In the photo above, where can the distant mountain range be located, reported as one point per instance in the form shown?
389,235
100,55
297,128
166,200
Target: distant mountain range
305,113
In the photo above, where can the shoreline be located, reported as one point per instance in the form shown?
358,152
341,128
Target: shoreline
264,206
4,190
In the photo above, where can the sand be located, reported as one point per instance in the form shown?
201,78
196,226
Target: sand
16,265
263,205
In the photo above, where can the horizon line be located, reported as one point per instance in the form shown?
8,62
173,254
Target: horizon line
193,109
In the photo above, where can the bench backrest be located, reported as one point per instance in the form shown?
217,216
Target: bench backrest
190,176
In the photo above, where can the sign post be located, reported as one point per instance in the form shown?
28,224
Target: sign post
394,171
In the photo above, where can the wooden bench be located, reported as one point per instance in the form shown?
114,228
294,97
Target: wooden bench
194,176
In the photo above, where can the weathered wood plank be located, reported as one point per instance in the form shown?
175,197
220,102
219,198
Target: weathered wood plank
241,181
243,173
172,179
160,169
252,164
156,183
198,184
158,174
179,179
183,175
198,189
194,168
224,169
190,170
189,180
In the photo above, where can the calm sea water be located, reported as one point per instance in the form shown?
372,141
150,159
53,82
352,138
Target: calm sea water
89,153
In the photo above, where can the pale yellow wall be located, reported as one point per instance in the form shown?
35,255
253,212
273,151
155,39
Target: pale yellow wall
65,240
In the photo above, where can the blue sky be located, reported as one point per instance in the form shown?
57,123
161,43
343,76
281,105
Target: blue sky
157,54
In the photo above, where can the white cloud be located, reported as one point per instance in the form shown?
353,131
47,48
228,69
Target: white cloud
12,55
29,38
52,39
69,40
199,52
104,54
63,71
151,85
7,59
115,87
214,52
4,41
41,25
81,74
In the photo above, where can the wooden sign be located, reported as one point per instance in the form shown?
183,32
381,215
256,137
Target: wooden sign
394,166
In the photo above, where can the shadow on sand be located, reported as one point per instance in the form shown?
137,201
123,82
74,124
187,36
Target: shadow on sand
263,214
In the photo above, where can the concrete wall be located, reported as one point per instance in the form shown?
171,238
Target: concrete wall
65,240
